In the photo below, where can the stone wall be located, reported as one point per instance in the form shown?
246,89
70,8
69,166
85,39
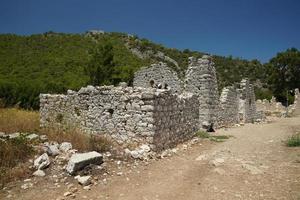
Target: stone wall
201,80
229,107
296,105
271,108
127,115
158,76
247,105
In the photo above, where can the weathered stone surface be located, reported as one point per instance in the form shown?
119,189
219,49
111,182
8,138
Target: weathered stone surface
140,115
80,160
229,107
32,136
84,180
52,150
247,107
65,146
158,76
39,172
42,162
201,80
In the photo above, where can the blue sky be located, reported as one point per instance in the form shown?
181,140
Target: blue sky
242,28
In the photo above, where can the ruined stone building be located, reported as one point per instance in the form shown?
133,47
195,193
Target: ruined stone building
125,114
201,80
158,76
159,110
247,107
229,107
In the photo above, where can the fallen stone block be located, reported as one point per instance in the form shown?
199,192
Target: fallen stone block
42,162
80,160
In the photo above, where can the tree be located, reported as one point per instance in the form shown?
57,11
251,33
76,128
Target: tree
101,65
284,73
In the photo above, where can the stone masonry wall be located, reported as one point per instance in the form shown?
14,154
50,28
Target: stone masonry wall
296,105
247,105
158,76
229,107
128,115
201,80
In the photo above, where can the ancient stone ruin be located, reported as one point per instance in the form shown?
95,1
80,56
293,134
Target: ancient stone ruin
247,107
158,76
160,109
127,115
201,80
229,107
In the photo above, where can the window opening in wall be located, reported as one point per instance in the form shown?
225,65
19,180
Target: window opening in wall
110,110
166,86
152,83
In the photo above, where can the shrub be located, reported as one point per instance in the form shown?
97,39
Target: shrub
202,134
294,140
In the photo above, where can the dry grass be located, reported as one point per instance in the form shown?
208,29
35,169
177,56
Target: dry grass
13,152
80,141
15,120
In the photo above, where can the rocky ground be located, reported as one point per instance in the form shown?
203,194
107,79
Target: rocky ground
252,164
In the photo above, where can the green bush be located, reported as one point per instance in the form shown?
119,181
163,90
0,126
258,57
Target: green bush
294,140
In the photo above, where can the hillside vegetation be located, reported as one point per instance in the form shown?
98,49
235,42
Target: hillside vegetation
54,62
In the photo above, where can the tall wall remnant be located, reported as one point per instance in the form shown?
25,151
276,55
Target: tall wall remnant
229,107
126,114
158,76
201,80
247,107
296,106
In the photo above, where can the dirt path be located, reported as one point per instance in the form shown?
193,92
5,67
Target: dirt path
253,164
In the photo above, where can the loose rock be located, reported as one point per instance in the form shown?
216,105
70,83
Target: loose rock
80,160
42,162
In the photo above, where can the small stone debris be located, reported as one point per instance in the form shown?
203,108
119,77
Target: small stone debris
217,162
140,152
219,171
32,136
42,161
252,169
80,160
52,150
201,157
43,138
84,180
39,172
26,186
66,194
65,146
14,135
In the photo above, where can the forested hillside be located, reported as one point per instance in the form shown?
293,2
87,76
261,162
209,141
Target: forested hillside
54,62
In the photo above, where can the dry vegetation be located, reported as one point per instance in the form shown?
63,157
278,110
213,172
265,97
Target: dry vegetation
80,141
14,152
15,120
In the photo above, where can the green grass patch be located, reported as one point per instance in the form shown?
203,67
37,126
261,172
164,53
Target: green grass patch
293,141
215,138
202,134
